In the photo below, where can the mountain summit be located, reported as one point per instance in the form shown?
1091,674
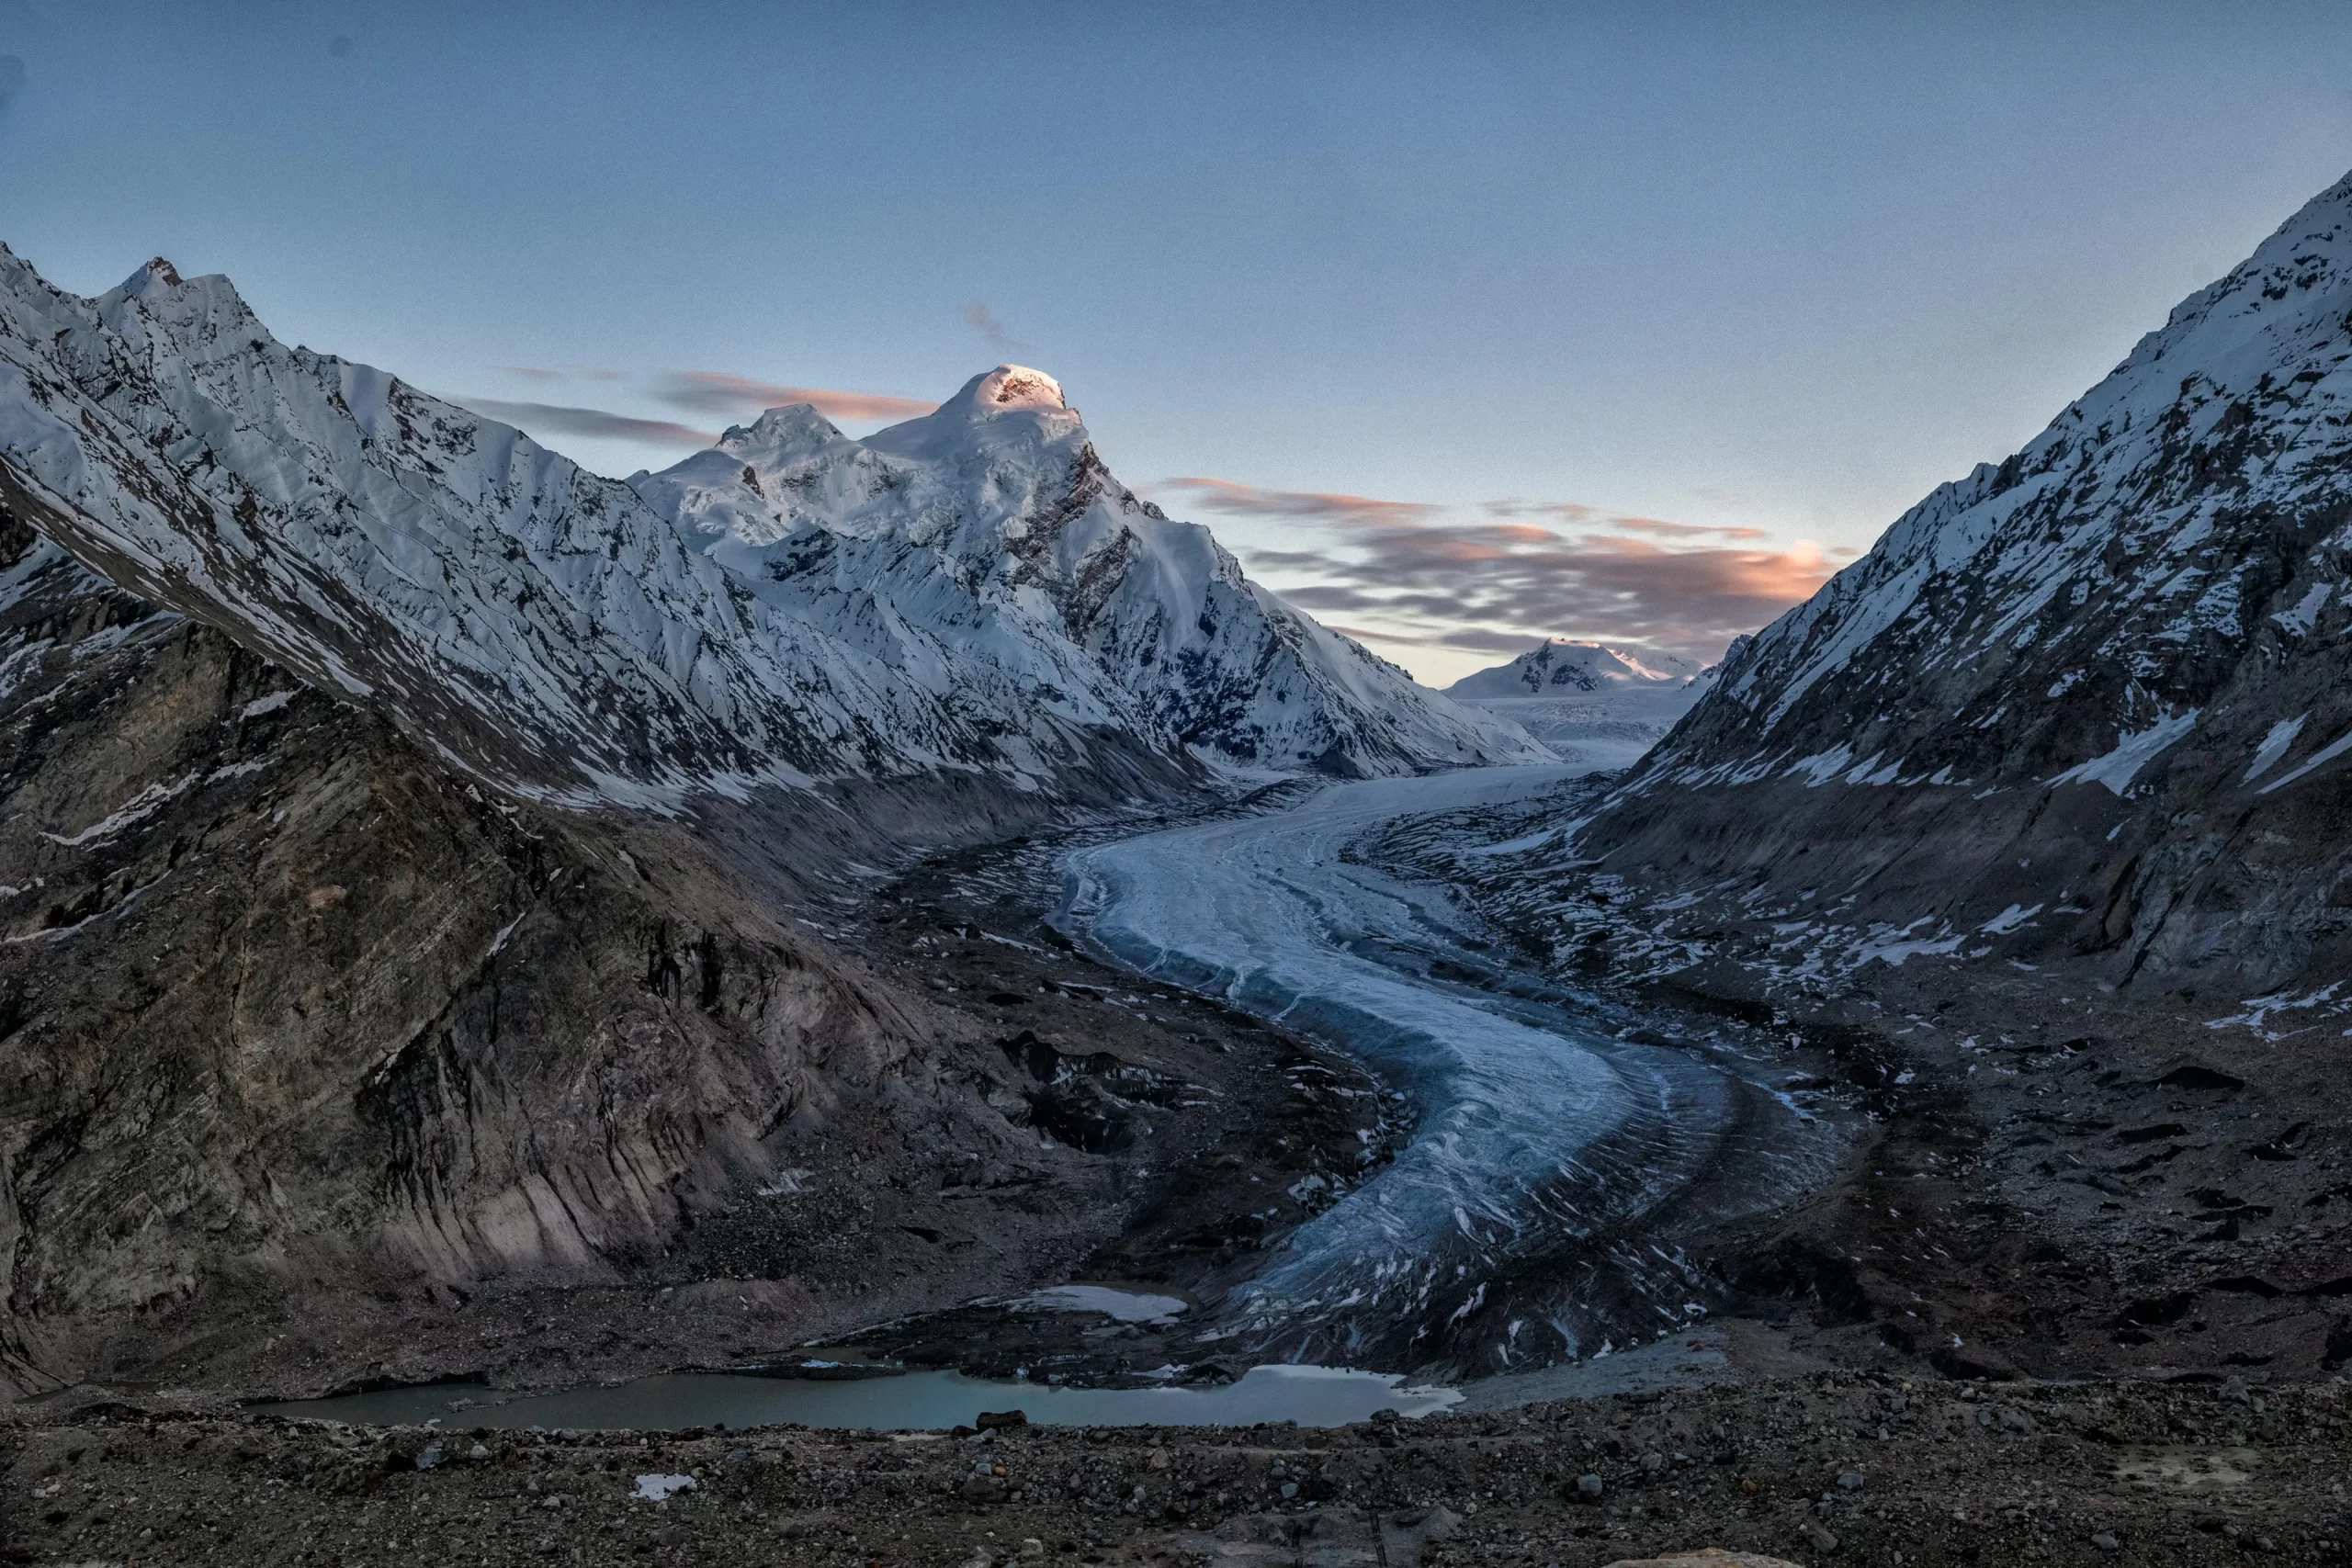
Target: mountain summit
1559,667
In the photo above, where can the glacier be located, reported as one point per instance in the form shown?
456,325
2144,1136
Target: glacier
1522,1221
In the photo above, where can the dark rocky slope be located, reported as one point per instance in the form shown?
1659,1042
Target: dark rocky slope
285,1012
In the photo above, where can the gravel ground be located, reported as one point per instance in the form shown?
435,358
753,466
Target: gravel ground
1831,1467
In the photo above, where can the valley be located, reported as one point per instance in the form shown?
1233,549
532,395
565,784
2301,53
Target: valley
906,907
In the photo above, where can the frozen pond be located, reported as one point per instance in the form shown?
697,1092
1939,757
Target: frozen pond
1521,1222
1312,1397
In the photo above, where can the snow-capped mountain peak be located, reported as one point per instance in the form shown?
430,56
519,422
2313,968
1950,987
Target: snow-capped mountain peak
1562,666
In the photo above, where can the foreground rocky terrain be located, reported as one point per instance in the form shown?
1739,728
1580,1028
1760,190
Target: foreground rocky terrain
1827,1468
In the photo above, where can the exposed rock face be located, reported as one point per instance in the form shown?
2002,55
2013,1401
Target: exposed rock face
286,1013
2087,703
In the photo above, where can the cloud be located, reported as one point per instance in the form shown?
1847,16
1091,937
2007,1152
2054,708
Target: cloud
1511,506
554,419
1496,587
1684,530
577,372
1249,500
982,319
1577,512
716,393
1532,568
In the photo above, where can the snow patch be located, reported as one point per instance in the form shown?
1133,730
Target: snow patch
2133,752
2325,755
2273,746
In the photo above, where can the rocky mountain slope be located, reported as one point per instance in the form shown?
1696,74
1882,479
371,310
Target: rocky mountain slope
2089,704
287,1015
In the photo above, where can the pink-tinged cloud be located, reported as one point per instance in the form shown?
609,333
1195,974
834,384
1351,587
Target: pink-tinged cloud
1512,506
716,393
1498,587
1574,512
1684,530
554,419
1249,500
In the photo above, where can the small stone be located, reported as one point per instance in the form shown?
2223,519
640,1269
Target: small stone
1653,1463
2106,1542
1290,1489
1032,1550
1819,1534
1850,1480
1590,1487
478,1453
1159,1460
430,1457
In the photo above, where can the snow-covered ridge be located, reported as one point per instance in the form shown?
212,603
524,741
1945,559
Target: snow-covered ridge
970,590
2187,514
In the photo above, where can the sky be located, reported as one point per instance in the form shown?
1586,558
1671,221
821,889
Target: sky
1462,325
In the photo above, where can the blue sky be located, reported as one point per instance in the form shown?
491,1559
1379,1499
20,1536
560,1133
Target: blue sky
1620,320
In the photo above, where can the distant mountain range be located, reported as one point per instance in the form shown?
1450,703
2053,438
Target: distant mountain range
969,591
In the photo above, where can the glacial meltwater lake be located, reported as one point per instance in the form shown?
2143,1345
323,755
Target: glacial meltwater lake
1312,1397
